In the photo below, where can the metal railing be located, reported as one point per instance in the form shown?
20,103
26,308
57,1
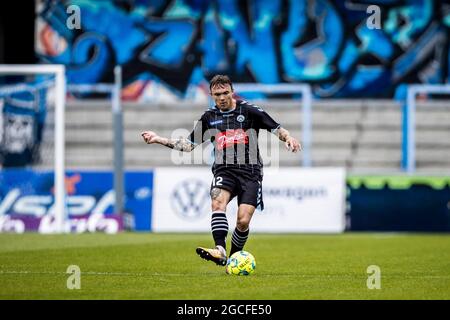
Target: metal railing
409,122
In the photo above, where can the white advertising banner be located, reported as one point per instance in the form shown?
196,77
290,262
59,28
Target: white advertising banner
295,200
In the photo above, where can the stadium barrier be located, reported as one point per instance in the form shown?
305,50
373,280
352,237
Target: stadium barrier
27,202
398,203
170,199
296,200
176,199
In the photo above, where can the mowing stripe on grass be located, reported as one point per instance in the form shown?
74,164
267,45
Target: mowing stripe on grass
153,274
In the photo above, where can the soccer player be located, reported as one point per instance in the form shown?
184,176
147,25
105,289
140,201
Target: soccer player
232,126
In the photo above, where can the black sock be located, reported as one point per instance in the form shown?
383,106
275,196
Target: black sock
238,240
219,228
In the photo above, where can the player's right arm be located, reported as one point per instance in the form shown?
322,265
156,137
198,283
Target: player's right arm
188,144
181,144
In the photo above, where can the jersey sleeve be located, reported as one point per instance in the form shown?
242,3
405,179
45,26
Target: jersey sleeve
265,120
197,136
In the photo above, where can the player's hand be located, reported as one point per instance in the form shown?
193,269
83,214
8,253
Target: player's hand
150,137
292,144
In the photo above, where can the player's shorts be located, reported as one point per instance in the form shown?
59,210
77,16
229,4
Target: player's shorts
243,184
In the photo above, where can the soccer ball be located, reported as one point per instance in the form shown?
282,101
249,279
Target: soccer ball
241,263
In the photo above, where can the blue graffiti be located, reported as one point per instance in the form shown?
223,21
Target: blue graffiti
327,43
171,43
314,60
254,45
212,46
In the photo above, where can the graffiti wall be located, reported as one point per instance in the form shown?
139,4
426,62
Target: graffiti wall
22,120
169,49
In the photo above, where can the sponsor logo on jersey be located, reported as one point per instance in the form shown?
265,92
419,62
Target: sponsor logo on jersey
231,137
215,122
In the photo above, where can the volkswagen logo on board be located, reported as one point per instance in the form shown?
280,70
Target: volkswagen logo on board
190,199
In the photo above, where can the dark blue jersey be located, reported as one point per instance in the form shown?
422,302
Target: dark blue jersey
234,134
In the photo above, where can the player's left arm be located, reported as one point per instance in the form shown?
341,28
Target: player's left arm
268,123
290,142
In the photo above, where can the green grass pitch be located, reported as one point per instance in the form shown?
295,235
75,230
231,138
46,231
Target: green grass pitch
165,266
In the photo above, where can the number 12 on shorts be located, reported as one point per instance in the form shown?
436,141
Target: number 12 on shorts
217,181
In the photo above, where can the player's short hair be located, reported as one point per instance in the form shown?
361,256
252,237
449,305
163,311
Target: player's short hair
220,79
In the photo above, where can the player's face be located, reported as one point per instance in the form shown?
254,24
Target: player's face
223,96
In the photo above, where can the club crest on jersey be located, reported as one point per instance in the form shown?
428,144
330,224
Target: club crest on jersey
240,118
